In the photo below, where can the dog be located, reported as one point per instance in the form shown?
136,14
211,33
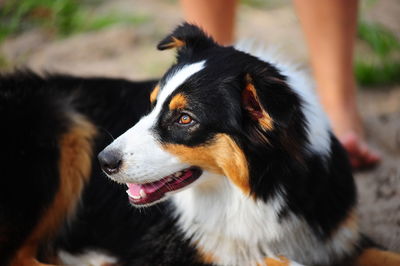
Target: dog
226,160
245,155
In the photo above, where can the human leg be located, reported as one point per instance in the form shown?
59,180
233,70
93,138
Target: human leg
216,17
330,27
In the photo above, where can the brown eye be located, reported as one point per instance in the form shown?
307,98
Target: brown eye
185,119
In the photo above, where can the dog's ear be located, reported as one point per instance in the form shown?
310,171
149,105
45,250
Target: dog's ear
253,106
268,99
186,36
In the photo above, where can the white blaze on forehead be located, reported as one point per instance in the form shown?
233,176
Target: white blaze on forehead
178,79
144,159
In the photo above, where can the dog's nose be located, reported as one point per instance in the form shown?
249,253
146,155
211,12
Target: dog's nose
110,161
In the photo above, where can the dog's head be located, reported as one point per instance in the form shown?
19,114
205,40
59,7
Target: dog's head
216,113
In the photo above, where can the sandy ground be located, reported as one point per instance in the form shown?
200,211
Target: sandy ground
129,52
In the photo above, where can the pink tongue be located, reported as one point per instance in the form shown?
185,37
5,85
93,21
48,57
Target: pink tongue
134,189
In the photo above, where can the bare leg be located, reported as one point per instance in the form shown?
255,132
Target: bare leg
329,27
216,17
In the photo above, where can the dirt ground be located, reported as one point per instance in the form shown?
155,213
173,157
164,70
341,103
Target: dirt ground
130,52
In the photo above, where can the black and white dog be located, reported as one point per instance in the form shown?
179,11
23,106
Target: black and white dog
228,160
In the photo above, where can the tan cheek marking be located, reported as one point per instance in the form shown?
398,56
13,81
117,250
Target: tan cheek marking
75,168
376,257
222,156
179,101
154,93
265,119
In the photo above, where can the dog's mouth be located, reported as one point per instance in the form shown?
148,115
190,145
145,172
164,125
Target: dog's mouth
147,193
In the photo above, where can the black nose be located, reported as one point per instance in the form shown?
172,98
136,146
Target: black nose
110,161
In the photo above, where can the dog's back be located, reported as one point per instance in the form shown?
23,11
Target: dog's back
51,127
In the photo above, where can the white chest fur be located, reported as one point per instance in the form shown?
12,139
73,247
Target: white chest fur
238,230
226,223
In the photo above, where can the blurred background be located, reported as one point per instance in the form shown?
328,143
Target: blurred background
117,38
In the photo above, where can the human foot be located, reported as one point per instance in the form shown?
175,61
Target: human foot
360,155
347,126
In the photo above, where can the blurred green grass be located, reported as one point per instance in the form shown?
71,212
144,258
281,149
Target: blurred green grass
382,65
63,17
263,4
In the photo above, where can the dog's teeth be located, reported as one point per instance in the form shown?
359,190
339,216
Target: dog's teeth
142,193
178,174
132,196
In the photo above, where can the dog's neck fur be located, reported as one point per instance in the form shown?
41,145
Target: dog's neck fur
235,229
224,222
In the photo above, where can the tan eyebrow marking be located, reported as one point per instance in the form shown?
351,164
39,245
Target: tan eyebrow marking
154,93
179,101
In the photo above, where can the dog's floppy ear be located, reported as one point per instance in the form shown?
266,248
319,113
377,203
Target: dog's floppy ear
268,100
186,36
253,106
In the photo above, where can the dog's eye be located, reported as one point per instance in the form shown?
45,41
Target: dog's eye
185,119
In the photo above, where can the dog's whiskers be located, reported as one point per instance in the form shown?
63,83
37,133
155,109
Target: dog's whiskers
108,133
